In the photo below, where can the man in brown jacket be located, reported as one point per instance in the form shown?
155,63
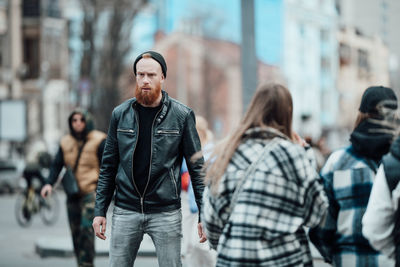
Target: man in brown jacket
81,150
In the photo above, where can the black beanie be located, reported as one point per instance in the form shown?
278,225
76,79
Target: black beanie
157,57
375,94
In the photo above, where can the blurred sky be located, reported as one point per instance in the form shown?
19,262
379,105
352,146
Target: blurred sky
223,22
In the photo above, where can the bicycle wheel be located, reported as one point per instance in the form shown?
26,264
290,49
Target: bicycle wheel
49,209
22,212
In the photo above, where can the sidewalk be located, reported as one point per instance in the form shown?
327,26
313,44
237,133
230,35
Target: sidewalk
62,247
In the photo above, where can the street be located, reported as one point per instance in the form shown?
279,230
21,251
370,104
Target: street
17,244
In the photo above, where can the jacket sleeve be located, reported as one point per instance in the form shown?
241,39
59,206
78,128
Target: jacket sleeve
323,235
213,224
108,170
56,167
315,200
378,220
100,150
191,145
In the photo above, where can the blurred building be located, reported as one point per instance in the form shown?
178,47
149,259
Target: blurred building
310,63
33,63
299,37
376,18
363,62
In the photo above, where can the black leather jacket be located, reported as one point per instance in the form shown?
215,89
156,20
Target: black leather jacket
174,137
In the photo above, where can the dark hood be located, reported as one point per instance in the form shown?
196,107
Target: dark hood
88,120
370,140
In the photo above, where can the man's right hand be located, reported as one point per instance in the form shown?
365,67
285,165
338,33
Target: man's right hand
99,226
46,190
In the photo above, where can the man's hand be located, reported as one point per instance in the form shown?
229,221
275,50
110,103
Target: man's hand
99,226
46,190
202,233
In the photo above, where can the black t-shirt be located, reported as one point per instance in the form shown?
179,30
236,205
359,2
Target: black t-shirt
141,158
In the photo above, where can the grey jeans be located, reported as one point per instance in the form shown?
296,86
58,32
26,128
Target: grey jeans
128,228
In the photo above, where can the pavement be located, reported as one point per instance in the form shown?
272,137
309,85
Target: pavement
61,246
40,245
45,246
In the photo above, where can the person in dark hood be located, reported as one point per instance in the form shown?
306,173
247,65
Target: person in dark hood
80,150
348,176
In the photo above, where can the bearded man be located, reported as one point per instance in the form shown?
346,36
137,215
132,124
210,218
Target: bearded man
148,138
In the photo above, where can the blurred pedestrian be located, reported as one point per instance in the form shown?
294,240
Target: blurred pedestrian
381,221
195,254
262,189
37,168
147,140
348,177
81,150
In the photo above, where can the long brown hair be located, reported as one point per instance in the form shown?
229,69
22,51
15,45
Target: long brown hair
271,106
360,118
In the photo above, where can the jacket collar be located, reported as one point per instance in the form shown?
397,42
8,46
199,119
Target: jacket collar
264,133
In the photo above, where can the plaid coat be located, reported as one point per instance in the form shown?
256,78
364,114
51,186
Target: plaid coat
348,180
266,226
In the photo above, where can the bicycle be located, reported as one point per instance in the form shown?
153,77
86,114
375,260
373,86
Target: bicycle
29,201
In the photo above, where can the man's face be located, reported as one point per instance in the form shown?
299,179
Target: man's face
78,123
149,80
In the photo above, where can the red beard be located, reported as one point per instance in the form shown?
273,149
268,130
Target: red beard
147,99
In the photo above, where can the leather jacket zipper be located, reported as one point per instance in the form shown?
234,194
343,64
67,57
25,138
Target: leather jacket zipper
133,154
151,155
125,130
173,180
168,131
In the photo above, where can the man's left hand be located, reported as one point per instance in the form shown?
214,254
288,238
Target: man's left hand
202,233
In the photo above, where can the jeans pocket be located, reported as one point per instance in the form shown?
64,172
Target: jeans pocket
121,211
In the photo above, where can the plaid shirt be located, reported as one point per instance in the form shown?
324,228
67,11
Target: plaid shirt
265,228
348,181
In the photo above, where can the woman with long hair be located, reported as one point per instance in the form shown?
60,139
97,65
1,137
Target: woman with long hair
261,189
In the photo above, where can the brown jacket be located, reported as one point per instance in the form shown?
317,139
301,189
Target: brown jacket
87,172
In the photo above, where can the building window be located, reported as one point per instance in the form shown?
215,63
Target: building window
363,63
31,57
344,55
1,52
325,65
302,30
31,8
324,35
338,6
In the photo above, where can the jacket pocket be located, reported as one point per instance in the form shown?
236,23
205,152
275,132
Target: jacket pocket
166,192
171,174
168,132
125,131
126,140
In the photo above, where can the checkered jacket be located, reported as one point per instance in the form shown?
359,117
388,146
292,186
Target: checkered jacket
348,181
266,227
